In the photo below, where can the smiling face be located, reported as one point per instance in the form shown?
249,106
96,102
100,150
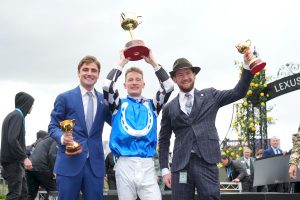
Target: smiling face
274,142
134,83
185,79
247,152
88,75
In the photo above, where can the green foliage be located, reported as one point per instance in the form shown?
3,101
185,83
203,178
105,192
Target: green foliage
251,117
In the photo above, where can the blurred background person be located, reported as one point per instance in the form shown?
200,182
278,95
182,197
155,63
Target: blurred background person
259,153
13,149
110,162
235,172
247,162
39,136
41,174
274,150
295,161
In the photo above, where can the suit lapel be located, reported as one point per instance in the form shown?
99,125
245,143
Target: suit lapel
100,102
198,101
251,166
79,107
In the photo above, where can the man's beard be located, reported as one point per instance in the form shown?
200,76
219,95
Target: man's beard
186,90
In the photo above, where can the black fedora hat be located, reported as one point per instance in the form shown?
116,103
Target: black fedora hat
181,63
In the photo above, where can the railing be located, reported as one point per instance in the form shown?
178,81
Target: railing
225,187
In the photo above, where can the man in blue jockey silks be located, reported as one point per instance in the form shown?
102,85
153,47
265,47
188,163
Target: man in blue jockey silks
134,132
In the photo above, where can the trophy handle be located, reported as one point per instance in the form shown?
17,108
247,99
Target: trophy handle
123,16
139,19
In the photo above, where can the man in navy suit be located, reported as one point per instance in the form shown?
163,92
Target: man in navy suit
84,171
274,150
191,116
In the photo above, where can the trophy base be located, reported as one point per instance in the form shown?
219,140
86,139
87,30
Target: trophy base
257,66
73,150
135,50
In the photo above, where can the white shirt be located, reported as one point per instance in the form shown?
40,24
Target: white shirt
183,99
85,99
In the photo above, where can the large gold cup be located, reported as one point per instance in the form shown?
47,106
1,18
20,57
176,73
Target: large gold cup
134,49
67,127
255,64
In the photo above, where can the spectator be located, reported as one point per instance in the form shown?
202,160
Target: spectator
41,174
39,136
295,160
235,172
247,162
273,150
259,153
13,150
110,162
158,172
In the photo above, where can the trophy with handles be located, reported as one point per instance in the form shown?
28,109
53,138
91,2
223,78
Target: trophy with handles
255,64
67,127
134,49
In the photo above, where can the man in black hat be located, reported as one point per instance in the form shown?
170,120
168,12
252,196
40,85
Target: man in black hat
191,116
13,152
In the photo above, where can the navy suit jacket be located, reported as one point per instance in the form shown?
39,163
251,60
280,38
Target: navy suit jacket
270,152
69,105
200,124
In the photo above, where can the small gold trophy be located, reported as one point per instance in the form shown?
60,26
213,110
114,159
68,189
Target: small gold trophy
67,127
134,49
255,64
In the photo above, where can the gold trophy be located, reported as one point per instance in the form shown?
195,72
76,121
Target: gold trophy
255,64
67,127
134,49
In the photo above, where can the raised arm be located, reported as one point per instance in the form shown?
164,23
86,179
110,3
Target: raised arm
110,92
165,82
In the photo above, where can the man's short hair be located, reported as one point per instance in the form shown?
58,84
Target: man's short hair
224,157
134,69
88,60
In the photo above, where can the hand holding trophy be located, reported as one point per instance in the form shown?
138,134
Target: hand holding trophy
255,64
134,49
67,127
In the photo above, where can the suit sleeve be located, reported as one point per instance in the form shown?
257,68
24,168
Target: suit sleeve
225,97
164,138
14,132
57,115
241,171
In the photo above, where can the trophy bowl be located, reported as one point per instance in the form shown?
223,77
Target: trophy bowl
67,127
134,49
255,64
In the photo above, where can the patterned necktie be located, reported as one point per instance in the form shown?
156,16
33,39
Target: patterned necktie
188,103
89,112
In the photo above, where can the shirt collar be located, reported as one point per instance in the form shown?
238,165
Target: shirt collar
83,91
182,94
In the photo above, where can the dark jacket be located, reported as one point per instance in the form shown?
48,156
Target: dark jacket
235,170
44,155
110,162
199,126
13,130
